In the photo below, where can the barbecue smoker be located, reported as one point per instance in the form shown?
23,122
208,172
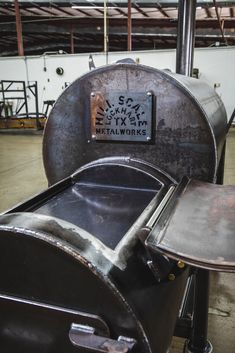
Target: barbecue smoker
105,260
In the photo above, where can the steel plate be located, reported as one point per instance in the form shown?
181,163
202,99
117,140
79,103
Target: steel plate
201,230
121,116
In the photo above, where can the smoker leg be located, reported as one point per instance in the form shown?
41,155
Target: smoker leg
220,171
198,342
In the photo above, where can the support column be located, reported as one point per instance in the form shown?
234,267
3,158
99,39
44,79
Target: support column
129,27
71,42
185,37
198,342
106,38
19,29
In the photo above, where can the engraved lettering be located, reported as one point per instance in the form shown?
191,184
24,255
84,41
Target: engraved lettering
123,121
108,103
99,121
116,120
121,100
136,107
142,123
128,102
123,117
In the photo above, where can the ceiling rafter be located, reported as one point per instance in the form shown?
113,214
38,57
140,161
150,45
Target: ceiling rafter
59,8
160,9
34,4
150,24
208,12
135,6
83,12
119,10
27,9
3,9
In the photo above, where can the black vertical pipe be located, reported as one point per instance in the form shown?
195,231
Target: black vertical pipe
198,342
185,37
129,27
36,106
25,99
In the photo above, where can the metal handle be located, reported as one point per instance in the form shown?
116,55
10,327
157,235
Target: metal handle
84,337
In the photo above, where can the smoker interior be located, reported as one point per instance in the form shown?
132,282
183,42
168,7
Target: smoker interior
106,212
105,199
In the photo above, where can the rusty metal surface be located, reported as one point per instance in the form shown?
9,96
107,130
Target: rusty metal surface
121,116
189,123
201,231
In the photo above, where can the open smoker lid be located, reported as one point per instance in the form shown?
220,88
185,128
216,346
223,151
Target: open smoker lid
197,226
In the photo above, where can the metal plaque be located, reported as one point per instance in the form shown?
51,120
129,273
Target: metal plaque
121,116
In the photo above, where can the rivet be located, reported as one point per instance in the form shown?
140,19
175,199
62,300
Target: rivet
93,137
171,277
92,94
149,93
180,264
148,138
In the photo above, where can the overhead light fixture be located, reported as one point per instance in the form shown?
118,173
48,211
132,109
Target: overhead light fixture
86,7
92,7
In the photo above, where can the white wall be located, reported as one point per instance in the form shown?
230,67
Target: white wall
216,66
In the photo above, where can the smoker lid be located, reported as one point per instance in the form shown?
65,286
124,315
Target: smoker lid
174,122
198,226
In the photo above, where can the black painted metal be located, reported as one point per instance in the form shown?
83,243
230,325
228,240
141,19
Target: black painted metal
231,120
8,86
103,274
198,341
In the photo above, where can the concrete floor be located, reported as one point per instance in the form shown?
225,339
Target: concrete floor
22,175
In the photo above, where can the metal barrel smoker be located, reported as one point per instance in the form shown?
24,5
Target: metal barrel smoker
102,261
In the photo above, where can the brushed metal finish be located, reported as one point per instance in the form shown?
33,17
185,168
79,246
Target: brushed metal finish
189,123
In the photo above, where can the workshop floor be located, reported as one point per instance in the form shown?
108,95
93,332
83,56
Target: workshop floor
22,175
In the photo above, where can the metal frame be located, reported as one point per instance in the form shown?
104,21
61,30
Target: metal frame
6,87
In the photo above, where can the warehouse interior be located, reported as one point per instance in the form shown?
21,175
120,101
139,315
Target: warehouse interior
70,73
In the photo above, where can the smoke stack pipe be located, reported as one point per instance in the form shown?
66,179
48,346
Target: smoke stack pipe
185,37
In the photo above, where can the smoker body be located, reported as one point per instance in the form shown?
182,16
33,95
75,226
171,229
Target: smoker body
104,273
85,261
